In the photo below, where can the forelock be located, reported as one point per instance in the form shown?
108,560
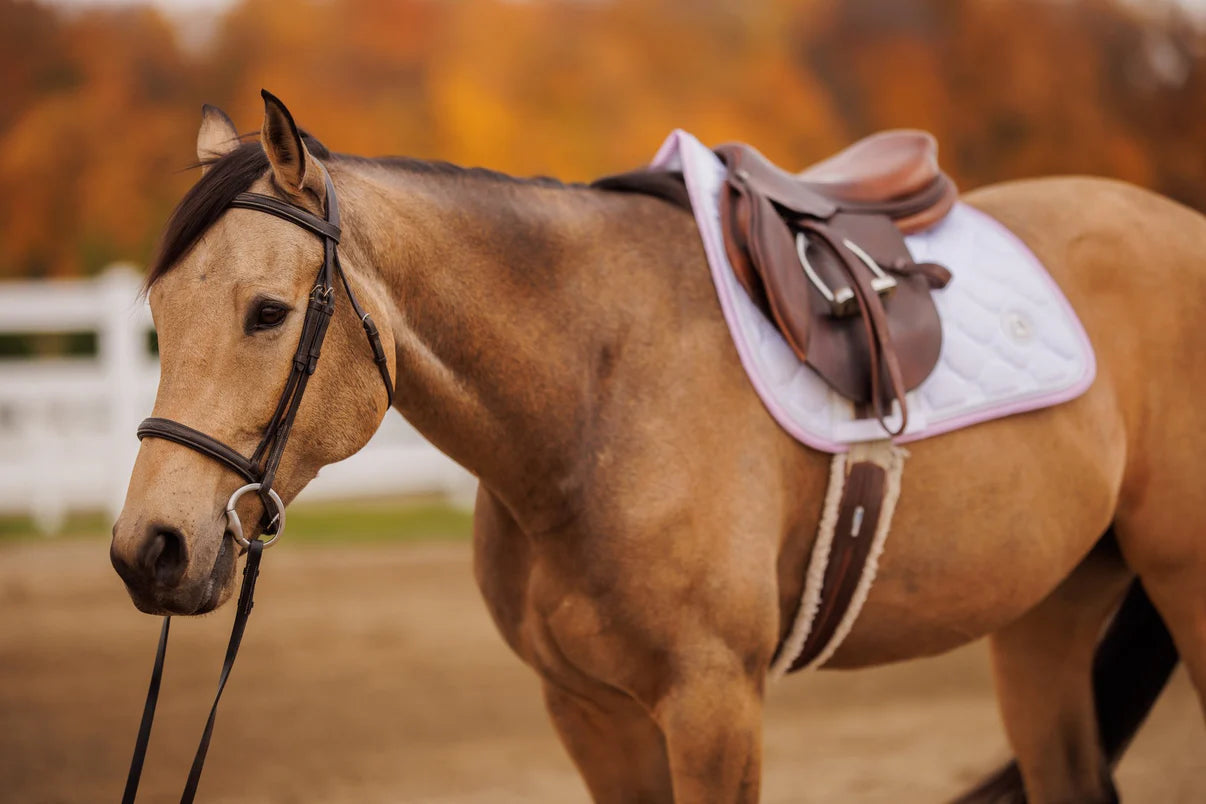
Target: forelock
212,195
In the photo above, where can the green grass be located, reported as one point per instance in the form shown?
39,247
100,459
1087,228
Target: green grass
308,523
78,526
378,521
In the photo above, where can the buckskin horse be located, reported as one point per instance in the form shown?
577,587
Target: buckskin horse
641,522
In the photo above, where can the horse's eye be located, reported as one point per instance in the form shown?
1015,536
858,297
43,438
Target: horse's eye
268,314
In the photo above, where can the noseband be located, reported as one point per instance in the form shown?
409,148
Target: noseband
259,471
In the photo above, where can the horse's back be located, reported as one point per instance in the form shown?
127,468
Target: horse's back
1085,223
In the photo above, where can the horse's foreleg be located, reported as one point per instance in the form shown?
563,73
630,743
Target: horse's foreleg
700,740
615,744
656,702
711,717
1043,668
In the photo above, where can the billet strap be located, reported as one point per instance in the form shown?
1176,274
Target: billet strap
251,571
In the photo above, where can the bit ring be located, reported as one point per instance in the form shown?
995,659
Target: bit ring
236,527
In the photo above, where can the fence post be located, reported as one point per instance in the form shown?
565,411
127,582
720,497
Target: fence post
122,354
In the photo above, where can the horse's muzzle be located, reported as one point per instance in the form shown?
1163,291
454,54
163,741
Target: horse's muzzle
155,572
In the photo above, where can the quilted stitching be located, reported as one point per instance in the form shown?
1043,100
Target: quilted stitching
1010,342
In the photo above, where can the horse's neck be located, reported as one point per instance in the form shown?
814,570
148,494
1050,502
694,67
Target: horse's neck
513,303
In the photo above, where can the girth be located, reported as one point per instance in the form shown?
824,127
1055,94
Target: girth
259,471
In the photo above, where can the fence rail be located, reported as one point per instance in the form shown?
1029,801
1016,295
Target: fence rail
67,424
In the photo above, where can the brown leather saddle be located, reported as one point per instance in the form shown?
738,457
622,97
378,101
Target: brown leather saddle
822,253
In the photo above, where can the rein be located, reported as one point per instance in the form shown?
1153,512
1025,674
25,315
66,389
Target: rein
259,471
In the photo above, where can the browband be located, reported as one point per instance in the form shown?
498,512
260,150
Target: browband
282,209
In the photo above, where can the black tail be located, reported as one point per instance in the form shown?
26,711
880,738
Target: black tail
1133,663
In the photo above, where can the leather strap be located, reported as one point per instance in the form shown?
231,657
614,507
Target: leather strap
251,572
183,434
881,351
148,717
294,214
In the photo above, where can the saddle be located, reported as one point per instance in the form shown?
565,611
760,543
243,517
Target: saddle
822,253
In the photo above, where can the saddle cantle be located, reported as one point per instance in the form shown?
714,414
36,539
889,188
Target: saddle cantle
822,253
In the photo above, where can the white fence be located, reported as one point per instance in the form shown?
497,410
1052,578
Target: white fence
67,425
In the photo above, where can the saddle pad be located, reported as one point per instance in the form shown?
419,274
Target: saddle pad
1010,340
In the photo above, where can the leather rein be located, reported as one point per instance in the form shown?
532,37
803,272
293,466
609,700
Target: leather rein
259,471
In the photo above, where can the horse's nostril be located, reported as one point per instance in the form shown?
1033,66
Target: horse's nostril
128,573
164,558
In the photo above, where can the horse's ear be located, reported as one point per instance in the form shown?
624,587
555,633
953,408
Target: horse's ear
216,138
294,168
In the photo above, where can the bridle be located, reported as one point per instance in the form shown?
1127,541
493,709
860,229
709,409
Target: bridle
260,469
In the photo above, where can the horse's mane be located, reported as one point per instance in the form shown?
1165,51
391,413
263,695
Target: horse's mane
235,172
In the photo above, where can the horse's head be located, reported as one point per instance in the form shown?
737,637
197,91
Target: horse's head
229,294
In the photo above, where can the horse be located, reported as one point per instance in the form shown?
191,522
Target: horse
641,523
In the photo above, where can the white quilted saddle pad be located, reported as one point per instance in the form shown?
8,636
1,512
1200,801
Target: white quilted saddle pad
1010,340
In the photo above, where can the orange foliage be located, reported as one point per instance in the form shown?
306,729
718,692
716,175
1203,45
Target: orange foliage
98,110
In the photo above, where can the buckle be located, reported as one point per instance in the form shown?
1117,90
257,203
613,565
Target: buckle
842,302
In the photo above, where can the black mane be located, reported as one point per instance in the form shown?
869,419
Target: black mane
438,167
235,172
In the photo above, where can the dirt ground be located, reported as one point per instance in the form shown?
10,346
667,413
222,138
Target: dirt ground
372,674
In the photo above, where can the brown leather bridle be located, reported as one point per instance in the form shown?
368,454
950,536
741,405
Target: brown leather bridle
260,469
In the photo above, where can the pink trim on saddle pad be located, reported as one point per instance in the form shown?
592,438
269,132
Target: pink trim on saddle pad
1010,340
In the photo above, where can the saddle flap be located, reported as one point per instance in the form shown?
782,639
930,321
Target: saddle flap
839,349
747,166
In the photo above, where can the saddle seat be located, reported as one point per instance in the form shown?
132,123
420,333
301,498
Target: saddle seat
885,167
882,167
893,174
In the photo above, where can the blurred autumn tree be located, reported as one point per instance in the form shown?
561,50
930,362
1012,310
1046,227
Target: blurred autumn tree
98,109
